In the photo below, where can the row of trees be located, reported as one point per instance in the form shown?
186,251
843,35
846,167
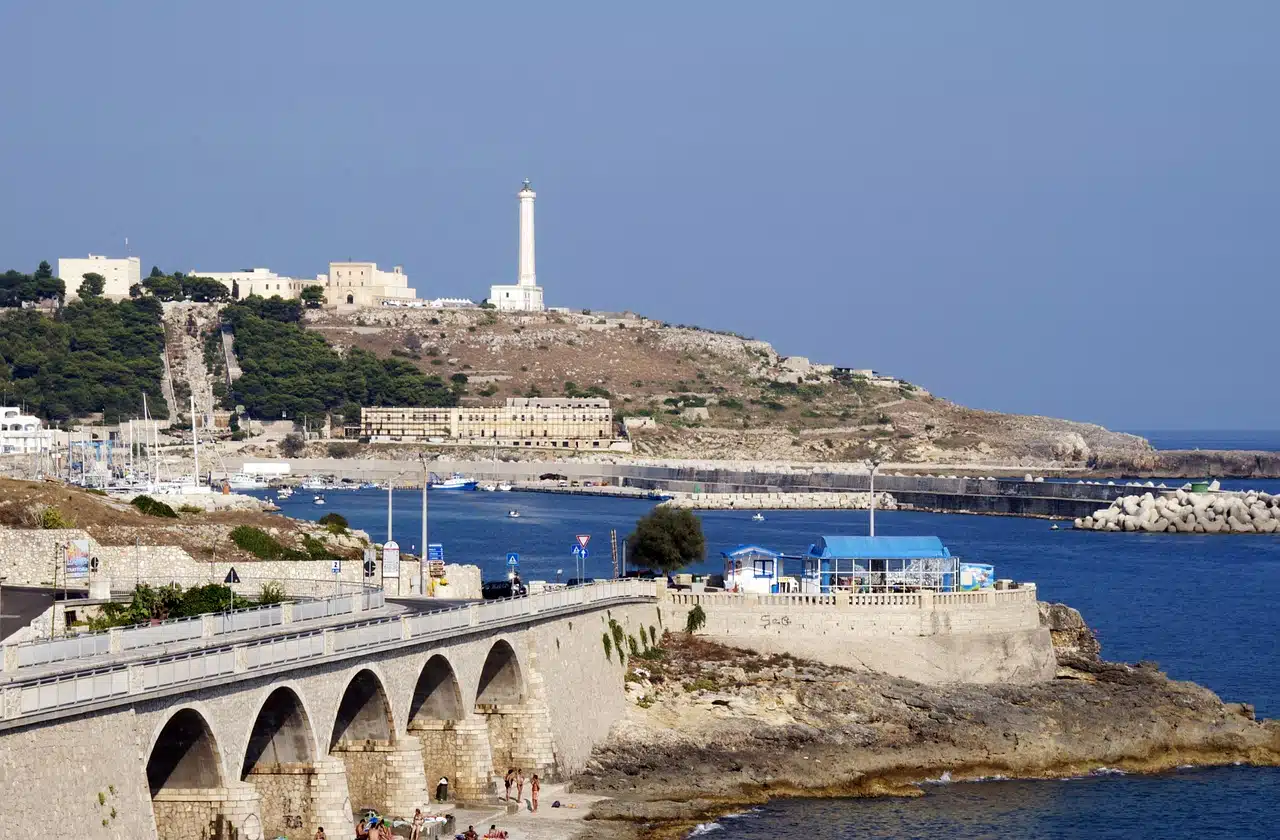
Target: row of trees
92,355
17,288
288,371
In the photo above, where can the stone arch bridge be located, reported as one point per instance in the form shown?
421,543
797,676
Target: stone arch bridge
280,751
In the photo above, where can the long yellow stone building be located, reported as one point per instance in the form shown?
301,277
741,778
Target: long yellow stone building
555,423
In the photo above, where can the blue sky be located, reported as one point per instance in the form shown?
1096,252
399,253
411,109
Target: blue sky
1064,209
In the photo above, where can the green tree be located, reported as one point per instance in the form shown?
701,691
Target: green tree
667,539
313,296
163,288
204,289
293,445
156,272
44,271
92,285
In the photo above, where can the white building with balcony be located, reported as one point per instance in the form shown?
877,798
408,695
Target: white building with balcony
22,433
257,281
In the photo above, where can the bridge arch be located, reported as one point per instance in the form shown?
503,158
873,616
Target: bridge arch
281,733
437,694
501,677
184,754
364,713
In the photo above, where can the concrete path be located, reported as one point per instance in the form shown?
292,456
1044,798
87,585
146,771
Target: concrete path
548,824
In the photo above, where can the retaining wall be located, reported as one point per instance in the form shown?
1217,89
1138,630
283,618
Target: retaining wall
981,637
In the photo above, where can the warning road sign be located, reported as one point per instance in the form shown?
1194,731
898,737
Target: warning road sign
583,539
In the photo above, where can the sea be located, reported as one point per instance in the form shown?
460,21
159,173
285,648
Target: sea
1260,441
1202,606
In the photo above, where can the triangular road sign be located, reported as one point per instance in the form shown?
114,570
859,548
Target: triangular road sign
583,539
231,577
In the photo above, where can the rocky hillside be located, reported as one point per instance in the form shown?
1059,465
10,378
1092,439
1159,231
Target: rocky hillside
38,504
715,395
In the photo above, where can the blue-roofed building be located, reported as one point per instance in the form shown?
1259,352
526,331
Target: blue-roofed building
882,564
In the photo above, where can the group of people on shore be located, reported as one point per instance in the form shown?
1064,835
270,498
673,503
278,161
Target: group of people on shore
515,777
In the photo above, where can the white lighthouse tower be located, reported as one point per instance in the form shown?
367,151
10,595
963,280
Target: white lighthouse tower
526,295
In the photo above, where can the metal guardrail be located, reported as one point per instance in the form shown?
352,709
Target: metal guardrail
90,685
35,653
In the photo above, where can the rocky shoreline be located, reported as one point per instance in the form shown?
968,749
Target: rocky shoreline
713,728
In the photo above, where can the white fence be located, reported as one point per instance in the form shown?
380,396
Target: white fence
91,685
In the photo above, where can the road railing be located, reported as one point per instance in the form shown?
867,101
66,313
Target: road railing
44,652
87,685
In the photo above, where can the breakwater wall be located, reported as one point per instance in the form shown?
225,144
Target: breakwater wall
782,501
998,496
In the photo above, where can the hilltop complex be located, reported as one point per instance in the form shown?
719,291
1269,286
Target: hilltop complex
347,283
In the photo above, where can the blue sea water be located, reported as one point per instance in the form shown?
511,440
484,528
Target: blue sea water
1200,605
1260,440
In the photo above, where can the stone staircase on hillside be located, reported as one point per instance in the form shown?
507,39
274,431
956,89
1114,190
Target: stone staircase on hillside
185,326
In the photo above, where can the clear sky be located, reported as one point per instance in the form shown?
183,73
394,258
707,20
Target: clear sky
1058,208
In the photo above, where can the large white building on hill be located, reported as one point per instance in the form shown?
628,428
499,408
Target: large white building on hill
257,281
526,294
119,273
364,284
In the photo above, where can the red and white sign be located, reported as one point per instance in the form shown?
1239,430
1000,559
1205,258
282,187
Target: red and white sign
583,539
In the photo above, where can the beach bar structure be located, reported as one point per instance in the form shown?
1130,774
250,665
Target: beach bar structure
758,570
882,564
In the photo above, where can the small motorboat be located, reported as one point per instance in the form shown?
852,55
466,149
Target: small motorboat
504,487
1054,527
513,514
284,493
318,500
759,517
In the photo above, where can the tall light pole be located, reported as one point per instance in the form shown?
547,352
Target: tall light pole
391,486
873,464
423,558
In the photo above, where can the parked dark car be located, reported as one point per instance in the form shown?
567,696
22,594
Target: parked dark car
502,589
580,581
552,477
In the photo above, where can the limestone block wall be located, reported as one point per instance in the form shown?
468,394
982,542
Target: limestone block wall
366,765
28,557
583,690
463,581
439,750
182,814
968,637
86,771
286,799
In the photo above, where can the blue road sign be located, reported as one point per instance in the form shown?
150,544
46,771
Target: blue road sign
576,551
435,551
513,559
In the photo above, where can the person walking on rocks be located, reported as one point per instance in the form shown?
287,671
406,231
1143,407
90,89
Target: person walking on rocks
534,787
507,781
520,785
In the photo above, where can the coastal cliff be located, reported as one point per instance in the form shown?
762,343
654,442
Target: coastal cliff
713,728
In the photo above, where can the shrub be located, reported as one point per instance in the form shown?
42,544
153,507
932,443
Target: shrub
257,542
151,507
608,646
272,593
293,445
696,620
633,646
52,519
342,449
190,509
334,523
653,636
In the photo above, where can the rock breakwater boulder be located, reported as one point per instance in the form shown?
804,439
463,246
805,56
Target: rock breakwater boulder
1182,512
